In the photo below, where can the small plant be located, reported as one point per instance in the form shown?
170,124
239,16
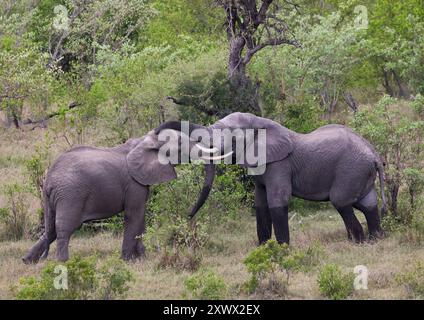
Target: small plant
335,284
114,278
265,264
180,259
14,217
206,286
80,281
413,281
84,279
179,243
271,264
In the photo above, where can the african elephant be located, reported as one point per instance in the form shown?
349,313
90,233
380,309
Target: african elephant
88,183
332,163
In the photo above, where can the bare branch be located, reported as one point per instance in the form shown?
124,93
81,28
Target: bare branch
270,42
71,106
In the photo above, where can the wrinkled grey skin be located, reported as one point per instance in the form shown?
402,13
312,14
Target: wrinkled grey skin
331,163
88,183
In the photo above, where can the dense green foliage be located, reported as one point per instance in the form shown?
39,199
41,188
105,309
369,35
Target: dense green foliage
271,264
206,285
84,279
334,283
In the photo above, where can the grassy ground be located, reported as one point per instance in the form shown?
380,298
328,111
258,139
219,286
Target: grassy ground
225,253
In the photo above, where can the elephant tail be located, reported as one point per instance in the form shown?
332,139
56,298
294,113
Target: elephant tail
380,169
49,224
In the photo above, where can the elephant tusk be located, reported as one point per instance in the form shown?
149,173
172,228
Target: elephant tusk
207,150
217,157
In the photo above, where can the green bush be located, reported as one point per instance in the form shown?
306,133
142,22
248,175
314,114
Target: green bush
114,278
114,224
206,285
335,284
14,217
413,281
178,241
269,263
170,231
86,279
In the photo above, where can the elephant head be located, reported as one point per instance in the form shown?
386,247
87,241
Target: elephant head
148,163
241,135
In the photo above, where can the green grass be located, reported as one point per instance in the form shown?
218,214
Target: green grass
225,254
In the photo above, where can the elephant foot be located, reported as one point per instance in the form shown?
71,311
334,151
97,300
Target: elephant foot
36,252
376,235
357,236
135,256
30,259
138,253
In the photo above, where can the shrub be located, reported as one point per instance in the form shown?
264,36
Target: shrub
206,286
270,266
413,281
180,259
114,279
85,279
396,130
179,243
170,232
335,284
14,217
36,167
114,224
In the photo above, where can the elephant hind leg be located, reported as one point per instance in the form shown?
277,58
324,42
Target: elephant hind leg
41,249
368,206
353,226
66,223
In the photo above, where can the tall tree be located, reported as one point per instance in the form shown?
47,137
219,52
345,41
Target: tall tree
252,26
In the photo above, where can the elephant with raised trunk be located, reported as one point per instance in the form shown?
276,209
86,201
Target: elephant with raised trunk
88,183
332,163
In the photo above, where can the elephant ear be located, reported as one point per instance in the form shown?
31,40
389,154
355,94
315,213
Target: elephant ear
143,163
278,139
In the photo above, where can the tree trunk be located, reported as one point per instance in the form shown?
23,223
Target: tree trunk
238,78
386,84
394,191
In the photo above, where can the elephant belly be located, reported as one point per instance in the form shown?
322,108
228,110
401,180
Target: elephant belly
103,204
313,183
312,196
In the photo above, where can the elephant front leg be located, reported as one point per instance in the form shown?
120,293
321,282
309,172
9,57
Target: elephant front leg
280,222
263,224
263,218
132,246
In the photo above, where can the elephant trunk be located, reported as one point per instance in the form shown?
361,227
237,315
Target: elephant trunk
209,167
207,186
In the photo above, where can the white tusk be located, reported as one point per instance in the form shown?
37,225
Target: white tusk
217,157
207,150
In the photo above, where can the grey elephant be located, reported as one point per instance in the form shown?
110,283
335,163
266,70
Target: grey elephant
332,163
88,183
